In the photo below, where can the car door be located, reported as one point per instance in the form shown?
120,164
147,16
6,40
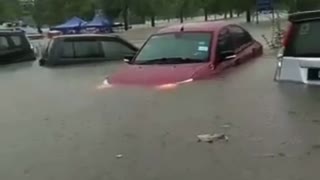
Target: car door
242,42
224,44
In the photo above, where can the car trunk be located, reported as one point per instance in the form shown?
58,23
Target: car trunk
301,56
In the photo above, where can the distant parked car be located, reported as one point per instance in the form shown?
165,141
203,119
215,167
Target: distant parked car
187,52
86,48
15,47
300,59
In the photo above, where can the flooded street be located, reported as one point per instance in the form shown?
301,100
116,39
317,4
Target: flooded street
55,125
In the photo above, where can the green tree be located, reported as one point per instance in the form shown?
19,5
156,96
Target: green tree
9,10
57,11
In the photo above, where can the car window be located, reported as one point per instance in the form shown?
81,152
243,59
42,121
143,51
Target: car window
67,50
17,40
179,45
82,49
115,50
88,49
240,36
4,44
304,40
225,42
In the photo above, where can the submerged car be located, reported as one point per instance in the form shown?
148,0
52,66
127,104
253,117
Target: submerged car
188,52
300,59
15,47
85,48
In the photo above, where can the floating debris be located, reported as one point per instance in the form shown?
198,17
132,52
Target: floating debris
119,156
268,155
226,126
209,138
272,155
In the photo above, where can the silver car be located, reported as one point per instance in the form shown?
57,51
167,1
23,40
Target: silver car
299,61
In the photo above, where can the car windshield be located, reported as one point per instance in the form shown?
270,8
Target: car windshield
173,48
304,41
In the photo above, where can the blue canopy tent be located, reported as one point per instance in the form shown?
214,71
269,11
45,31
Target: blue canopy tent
100,22
73,25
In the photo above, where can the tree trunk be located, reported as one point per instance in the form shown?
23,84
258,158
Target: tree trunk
181,16
39,28
248,16
205,14
153,21
126,18
231,13
225,15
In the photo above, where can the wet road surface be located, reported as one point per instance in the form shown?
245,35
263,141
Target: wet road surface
55,125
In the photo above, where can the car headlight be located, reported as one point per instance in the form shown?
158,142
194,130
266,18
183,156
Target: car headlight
185,81
173,85
106,82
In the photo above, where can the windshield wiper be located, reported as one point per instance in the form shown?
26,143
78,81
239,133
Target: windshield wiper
171,60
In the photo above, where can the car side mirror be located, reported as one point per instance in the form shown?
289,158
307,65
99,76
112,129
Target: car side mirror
228,55
128,59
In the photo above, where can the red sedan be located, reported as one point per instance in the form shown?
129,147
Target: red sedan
187,52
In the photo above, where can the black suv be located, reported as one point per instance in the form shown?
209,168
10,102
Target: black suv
85,48
15,47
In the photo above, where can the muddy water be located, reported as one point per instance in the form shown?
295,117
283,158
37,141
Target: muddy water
55,124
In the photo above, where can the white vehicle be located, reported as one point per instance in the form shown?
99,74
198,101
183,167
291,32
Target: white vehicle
299,60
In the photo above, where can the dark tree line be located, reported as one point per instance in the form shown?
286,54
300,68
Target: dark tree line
56,11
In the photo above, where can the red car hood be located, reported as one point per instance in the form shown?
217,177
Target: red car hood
155,74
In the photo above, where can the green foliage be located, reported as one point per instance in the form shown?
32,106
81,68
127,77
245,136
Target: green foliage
56,11
9,10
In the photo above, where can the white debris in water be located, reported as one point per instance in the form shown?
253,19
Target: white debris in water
119,156
209,138
226,126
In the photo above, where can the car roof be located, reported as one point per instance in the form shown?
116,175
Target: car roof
192,27
305,16
10,32
83,35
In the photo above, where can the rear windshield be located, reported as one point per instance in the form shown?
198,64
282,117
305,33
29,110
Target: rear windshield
304,40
